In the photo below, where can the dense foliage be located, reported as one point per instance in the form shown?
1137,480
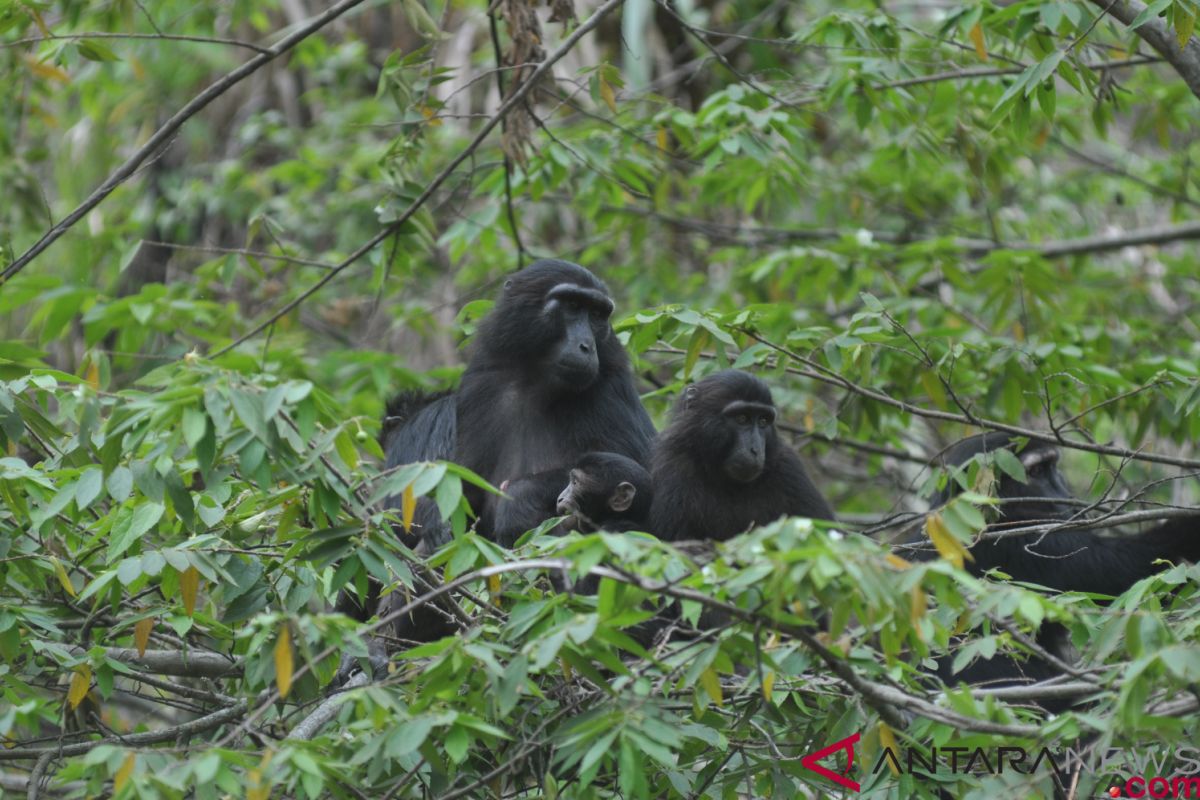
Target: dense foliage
230,231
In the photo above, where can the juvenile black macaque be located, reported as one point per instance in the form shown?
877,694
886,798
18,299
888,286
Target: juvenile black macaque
601,491
720,468
606,491
1065,560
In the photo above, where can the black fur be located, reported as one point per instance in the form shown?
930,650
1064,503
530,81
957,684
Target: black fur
607,491
715,477
547,382
1067,560
525,406
585,493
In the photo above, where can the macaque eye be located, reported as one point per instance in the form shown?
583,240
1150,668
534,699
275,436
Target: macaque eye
742,419
573,305
763,422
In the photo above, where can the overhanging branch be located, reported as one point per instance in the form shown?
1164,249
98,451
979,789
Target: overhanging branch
1154,32
168,130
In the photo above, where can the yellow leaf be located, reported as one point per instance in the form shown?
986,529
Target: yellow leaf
985,481
887,740
189,584
772,641
44,70
255,790
63,578
608,95
493,583
566,669
92,376
712,685
430,115
124,773
283,661
918,604
896,561
768,684
662,139
947,546
408,506
81,681
977,37
37,19
1185,23
141,634
810,422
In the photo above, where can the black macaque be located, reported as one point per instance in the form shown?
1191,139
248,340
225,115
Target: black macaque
601,491
1065,560
607,491
547,381
720,467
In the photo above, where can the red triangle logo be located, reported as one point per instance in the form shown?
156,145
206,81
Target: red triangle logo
847,744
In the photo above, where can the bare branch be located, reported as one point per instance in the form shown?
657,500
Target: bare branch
1185,59
168,129
175,662
171,37
517,97
309,726
133,739
749,236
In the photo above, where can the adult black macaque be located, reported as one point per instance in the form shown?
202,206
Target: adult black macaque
1065,560
720,468
547,382
601,491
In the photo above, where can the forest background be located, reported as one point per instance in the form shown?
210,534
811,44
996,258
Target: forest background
230,231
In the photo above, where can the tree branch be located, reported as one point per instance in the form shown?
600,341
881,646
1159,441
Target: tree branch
309,726
1185,59
752,237
508,105
168,129
820,373
133,739
174,662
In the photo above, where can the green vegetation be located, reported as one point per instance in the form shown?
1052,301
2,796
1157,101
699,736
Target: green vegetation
229,231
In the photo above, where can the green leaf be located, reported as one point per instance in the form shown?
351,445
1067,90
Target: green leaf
88,488
131,527
120,483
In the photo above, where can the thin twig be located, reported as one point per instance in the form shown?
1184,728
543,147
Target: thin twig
164,134
172,37
508,105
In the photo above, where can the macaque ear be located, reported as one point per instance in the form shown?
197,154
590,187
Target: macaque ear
622,497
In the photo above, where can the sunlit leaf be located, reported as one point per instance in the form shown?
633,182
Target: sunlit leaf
283,661
81,681
122,775
141,634
189,585
64,579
